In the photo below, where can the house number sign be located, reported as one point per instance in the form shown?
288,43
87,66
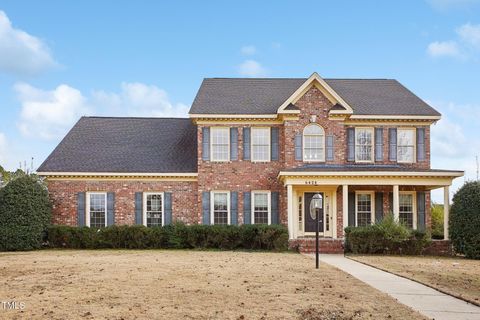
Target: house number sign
311,182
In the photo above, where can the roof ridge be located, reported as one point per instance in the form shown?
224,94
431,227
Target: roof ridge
128,117
280,78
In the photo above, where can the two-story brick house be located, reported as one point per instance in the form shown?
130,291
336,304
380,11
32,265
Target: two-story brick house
255,151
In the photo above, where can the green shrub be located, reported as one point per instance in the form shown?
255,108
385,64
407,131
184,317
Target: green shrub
25,212
385,237
465,220
176,236
437,221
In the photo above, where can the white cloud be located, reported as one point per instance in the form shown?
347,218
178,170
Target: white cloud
20,52
138,99
251,68
444,48
248,50
48,114
448,140
3,149
470,34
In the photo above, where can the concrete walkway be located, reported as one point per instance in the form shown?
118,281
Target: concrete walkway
423,299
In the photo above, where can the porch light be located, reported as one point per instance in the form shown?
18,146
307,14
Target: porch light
315,205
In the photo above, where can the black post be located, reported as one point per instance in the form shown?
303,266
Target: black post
316,237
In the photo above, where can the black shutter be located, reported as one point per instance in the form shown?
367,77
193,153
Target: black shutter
350,144
206,207
247,216
274,136
168,208
246,143
378,206
390,202
110,208
378,144
234,207
275,204
351,208
233,143
138,208
421,144
330,148
392,136
81,209
298,146
421,210
205,143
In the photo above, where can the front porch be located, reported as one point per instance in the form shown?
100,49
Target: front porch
355,197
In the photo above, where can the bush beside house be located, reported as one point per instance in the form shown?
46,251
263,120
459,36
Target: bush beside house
176,236
25,212
385,237
465,220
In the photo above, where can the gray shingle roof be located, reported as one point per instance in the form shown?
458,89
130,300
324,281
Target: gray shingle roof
140,145
264,96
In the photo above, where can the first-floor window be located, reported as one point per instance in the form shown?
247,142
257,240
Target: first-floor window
364,208
221,208
153,209
406,211
261,208
97,209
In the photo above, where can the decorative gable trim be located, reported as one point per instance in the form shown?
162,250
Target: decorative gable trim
316,80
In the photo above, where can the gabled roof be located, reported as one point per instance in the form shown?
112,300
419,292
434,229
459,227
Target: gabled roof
141,145
265,95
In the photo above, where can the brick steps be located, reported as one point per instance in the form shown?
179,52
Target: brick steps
307,245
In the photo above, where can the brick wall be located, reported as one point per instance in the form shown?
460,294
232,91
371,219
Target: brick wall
63,195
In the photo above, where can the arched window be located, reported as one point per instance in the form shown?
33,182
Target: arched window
313,143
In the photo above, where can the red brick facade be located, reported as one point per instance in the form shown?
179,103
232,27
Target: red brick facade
237,175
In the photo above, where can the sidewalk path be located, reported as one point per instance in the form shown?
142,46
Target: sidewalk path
423,299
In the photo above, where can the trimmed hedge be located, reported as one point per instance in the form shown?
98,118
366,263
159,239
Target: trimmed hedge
25,212
176,236
386,237
465,220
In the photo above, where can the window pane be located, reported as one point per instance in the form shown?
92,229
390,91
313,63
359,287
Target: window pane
405,145
406,209
154,210
219,144
261,144
97,210
364,209
313,143
220,208
260,208
363,144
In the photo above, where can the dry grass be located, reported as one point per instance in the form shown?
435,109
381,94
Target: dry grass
457,276
115,284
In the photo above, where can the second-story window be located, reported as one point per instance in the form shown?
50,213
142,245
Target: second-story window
313,143
406,145
364,144
260,144
220,144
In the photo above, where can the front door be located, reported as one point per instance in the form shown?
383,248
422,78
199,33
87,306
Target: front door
309,222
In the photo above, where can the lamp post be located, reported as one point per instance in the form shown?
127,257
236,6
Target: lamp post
315,205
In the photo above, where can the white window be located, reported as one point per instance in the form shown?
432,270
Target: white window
220,207
364,208
260,144
363,144
407,212
406,145
97,209
261,207
220,144
313,143
153,209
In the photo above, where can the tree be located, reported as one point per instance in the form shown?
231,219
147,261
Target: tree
437,221
25,213
465,220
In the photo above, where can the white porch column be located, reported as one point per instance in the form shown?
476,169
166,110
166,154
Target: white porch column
345,207
446,211
290,210
396,204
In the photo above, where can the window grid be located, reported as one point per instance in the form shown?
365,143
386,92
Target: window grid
364,209
406,209
364,144
300,213
260,208
97,210
406,145
220,144
313,143
154,210
220,208
260,144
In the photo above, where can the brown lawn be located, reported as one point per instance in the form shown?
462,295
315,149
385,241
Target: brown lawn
457,276
115,284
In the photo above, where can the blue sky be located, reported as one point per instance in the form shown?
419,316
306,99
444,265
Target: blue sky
61,60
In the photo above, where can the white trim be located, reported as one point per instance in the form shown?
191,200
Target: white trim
372,153
372,205
117,174
394,117
303,143
233,116
269,144
212,202
211,143
373,173
144,209
87,207
414,143
414,206
316,77
269,204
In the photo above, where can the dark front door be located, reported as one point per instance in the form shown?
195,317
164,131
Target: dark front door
309,222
